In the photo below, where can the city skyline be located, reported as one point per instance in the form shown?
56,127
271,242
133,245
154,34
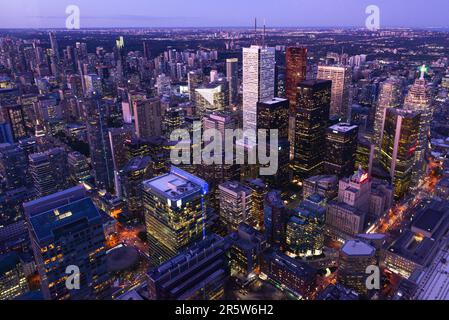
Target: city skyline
301,13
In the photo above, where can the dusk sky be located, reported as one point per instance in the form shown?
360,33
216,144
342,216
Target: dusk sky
202,13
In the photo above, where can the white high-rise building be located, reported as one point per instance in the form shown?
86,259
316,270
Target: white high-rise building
341,77
258,81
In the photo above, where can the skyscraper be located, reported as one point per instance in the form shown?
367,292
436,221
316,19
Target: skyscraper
398,147
341,147
132,176
341,78
390,96
312,116
148,117
194,81
232,76
274,115
296,71
258,81
100,149
49,171
418,99
66,231
175,213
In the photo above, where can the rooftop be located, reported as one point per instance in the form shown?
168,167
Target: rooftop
44,224
357,248
343,127
176,185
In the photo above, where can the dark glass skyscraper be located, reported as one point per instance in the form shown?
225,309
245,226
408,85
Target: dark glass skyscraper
312,115
341,147
100,148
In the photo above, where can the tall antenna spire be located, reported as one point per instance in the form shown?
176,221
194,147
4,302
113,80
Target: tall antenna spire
264,32
255,30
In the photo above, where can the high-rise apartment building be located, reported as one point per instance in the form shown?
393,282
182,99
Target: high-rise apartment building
232,76
147,117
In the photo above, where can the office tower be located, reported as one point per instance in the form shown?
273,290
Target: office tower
66,230
258,81
49,171
118,139
175,213
212,98
275,218
78,167
199,273
354,259
297,276
341,147
259,192
147,117
174,118
346,215
92,84
13,282
418,100
235,204
132,176
390,96
305,230
312,116
194,81
341,78
100,149
247,245
325,186
399,143
232,76
15,117
13,166
295,73
274,115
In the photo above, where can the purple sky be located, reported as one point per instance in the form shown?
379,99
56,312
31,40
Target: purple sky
203,13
